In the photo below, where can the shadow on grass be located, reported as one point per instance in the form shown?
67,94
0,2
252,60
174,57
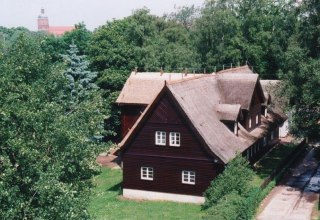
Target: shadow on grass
116,188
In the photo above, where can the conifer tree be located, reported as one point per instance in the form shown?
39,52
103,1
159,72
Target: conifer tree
80,79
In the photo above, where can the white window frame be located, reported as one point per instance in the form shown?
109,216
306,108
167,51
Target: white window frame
265,112
160,138
175,139
235,128
146,173
188,177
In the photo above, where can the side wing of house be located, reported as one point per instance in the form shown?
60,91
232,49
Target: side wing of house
165,160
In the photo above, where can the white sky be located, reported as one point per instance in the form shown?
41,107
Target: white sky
93,13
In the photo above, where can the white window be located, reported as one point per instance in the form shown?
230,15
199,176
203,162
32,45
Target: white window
146,173
257,119
236,128
160,138
265,112
189,177
249,121
175,139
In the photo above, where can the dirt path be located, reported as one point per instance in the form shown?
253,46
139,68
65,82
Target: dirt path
110,161
291,200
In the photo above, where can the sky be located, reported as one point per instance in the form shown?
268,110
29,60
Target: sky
93,13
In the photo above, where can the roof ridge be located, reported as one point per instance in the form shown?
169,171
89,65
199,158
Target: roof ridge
234,69
188,79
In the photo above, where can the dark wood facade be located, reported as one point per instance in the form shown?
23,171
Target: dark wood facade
129,116
168,162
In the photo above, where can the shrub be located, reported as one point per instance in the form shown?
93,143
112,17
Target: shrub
235,178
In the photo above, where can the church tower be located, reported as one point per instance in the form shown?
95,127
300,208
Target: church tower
43,22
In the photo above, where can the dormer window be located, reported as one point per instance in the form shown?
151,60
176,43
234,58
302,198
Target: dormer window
236,128
160,137
265,112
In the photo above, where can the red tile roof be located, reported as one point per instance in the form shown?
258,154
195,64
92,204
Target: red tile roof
60,30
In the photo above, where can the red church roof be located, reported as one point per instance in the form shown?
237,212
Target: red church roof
60,30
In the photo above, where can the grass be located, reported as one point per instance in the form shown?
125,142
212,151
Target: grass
270,161
106,202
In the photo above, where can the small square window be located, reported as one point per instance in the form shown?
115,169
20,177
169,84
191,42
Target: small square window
160,138
146,173
175,139
189,177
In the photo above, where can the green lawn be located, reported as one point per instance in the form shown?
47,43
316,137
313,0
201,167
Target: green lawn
107,203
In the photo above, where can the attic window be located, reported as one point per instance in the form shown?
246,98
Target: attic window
175,139
160,138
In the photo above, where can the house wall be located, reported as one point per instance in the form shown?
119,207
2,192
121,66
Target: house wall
168,174
167,161
129,116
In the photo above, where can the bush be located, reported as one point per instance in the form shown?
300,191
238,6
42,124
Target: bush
226,208
236,177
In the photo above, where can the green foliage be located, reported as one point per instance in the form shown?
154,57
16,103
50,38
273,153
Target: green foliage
232,195
109,47
185,16
144,41
227,208
80,36
219,38
301,86
309,17
235,178
80,79
47,156
111,82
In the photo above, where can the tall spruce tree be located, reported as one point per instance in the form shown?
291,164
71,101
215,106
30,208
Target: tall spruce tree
80,79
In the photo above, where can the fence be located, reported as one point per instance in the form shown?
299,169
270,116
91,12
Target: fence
288,159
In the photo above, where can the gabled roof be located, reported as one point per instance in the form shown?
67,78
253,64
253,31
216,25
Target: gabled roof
276,102
198,98
237,88
142,88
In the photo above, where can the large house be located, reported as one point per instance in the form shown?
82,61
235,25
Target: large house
180,130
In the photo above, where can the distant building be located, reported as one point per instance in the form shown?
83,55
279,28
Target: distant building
43,25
